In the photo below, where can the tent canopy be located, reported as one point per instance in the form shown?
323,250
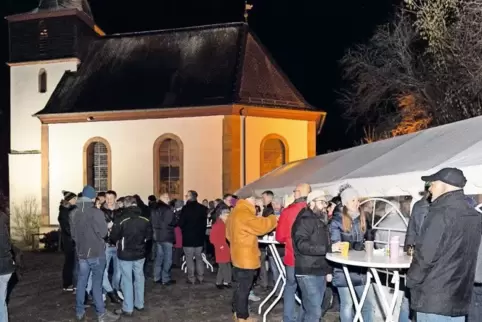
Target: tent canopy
391,167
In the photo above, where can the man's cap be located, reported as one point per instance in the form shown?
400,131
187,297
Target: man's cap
452,176
317,195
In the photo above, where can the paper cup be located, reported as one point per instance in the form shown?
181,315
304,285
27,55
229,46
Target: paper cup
344,247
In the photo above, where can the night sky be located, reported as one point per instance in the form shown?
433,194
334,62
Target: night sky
305,37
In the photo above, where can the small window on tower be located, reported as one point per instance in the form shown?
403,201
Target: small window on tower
42,81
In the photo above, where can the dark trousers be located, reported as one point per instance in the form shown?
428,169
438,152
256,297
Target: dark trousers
244,278
69,266
177,257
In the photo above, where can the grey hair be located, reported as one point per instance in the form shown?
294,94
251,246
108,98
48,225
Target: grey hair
130,201
277,199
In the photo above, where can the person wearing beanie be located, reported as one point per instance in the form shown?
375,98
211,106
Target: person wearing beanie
311,243
350,225
88,231
68,247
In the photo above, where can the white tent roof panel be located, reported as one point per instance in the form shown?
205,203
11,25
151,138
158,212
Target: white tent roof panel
389,167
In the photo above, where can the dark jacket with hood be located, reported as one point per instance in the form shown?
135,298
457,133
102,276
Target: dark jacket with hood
88,229
64,214
163,222
311,243
441,275
130,234
193,223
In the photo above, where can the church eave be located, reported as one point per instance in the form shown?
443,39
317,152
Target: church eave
49,14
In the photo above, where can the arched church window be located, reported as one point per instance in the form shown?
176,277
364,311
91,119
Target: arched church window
274,153
97,164
42,81
168,166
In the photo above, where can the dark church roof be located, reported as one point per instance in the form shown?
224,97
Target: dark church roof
201,66
53,5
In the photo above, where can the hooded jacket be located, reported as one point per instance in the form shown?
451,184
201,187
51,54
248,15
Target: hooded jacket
242,230
130,234
88,229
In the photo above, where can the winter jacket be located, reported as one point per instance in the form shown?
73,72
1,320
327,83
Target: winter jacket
441,275
110,215
88,229
311,243
218,239
242,230
356,238
7,265
419,212
130,234
64,211
193,224
283,230
163,222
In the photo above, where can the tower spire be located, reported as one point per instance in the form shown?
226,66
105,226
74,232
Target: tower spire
247,8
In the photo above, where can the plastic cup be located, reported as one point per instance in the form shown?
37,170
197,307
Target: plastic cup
369,245
344,247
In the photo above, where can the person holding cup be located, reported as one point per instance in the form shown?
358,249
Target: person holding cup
349,227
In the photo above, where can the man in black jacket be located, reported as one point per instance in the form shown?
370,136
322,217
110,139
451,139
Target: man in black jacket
311,243
68,272
130,234
193,226
163,223
441,276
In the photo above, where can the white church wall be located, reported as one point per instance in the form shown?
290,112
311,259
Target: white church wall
24,183
132,143
294,131
26,100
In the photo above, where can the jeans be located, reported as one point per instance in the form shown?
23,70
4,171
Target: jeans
111,254
224,274
405,311
427,317
475,310
192,253
312,292
244,279
3,296
96,266
133,292
69,269
163,262
289,301
347,308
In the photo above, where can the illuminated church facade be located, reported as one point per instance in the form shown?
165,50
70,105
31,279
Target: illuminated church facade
203,108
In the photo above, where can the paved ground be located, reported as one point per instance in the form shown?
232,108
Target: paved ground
38,297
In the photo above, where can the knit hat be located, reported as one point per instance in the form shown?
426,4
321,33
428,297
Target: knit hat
68,195
89,192
348,194
316,194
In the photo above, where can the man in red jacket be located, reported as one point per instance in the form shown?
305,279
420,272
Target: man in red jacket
283,235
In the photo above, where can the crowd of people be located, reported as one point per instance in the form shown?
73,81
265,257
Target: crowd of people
107,241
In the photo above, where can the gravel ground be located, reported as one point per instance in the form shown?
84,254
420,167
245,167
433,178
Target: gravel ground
38,297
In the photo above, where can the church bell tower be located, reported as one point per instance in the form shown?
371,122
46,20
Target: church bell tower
44,43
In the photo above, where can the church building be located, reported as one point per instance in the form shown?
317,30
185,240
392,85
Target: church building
203,108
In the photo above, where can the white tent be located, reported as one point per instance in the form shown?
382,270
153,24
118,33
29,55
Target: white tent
391,167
